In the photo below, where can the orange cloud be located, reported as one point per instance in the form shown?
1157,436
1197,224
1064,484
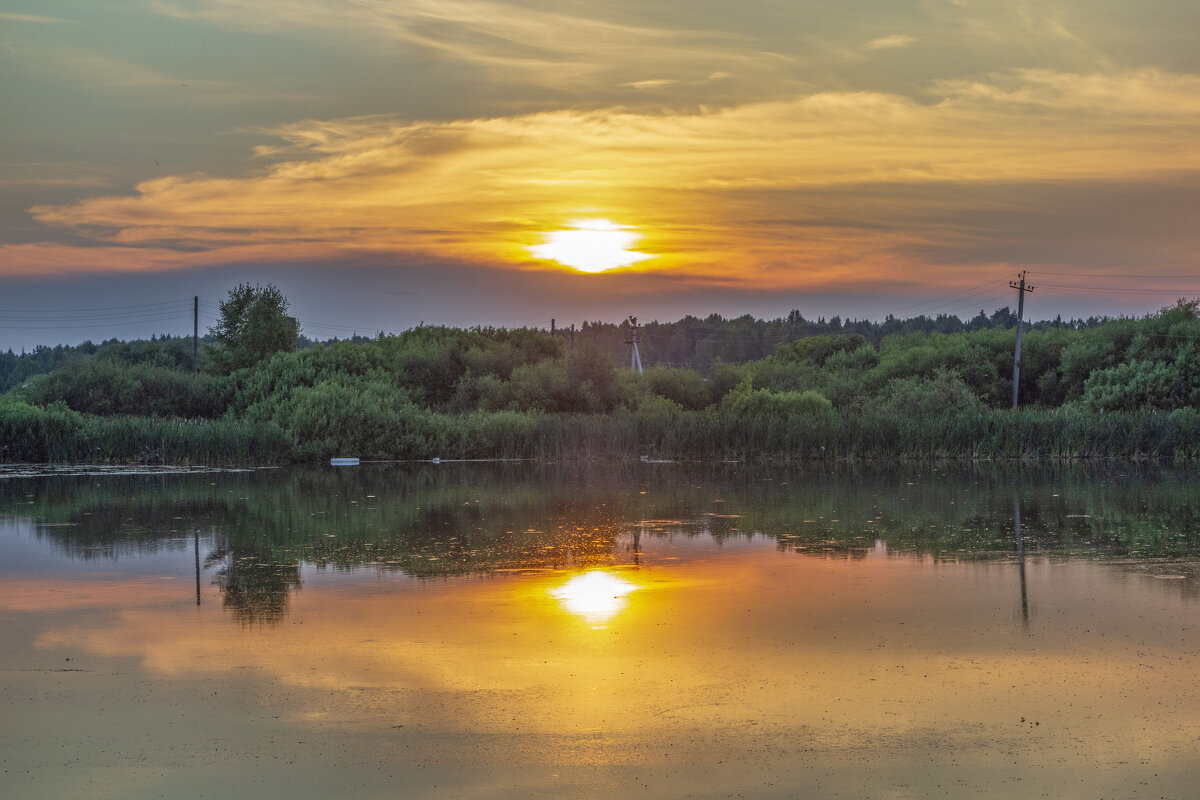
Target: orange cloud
728,195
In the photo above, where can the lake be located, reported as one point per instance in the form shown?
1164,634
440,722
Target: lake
482,630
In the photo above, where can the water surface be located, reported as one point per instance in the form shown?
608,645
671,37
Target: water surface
664,630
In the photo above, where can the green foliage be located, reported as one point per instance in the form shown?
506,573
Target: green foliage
818,349
166,351
584,382
686,387
722,380
858,360
170,352
55,433
1139,384
925,398
252,324
1122,387
102,386
746,402
371,419
982,359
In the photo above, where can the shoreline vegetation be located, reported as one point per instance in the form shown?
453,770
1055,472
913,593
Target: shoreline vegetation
902,389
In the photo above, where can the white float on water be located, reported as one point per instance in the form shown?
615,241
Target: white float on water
343,462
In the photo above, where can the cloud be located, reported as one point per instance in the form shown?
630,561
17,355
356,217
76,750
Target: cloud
520,41
34,18
655,83
1144,91
102,72
890,42
111,72
735,196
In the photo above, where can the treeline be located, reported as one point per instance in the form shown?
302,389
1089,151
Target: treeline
173,352
690,342
701,343
1124,388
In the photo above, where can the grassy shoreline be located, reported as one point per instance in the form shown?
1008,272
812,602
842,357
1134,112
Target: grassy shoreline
57,434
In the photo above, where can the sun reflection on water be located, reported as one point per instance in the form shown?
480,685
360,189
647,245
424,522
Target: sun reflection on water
595,596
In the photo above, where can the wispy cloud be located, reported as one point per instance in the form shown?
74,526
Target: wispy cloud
108,73
34,18
654,83
890,42
552,47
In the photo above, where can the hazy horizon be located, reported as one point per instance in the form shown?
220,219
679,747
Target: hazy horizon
104,309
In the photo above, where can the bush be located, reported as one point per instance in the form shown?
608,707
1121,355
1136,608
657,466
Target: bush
746,402
922,398
104,387
683,386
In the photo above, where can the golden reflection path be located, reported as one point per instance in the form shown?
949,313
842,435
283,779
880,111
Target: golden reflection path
755,671
596,596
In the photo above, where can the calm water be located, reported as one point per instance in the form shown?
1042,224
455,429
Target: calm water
650,630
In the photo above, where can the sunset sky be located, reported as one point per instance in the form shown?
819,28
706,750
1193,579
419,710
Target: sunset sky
391,162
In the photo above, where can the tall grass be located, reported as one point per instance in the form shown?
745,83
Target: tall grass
56,434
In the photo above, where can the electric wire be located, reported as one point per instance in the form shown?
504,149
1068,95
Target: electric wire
1115,290
984,287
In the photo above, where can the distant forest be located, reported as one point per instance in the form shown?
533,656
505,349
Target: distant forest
691,342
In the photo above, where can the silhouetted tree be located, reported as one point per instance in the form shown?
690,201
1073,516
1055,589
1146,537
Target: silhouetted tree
253,324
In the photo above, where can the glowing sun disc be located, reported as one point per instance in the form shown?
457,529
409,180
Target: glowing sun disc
591,245
595,596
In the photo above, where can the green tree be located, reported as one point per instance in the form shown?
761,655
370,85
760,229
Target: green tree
253,324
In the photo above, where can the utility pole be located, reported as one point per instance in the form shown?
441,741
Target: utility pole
552,333
635,361
196,334
1021,290
572,335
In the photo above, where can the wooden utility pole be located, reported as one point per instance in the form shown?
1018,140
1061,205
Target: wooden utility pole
572,335
1021,290
196,334
635,360
552,333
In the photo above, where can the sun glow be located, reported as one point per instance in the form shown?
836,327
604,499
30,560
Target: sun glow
595,596
591,245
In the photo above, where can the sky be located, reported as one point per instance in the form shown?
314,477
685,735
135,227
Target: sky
388,163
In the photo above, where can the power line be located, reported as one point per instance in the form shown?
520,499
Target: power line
1106,290
1130,276
95,308
42,322
173,317
965,292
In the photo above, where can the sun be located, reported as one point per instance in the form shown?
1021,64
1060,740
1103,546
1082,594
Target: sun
591,245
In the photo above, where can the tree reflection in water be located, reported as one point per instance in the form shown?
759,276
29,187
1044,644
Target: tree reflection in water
262,530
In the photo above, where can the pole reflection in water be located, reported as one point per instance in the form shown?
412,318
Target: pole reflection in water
196,538
1021,562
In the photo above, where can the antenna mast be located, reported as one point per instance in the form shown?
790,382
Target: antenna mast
635,359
